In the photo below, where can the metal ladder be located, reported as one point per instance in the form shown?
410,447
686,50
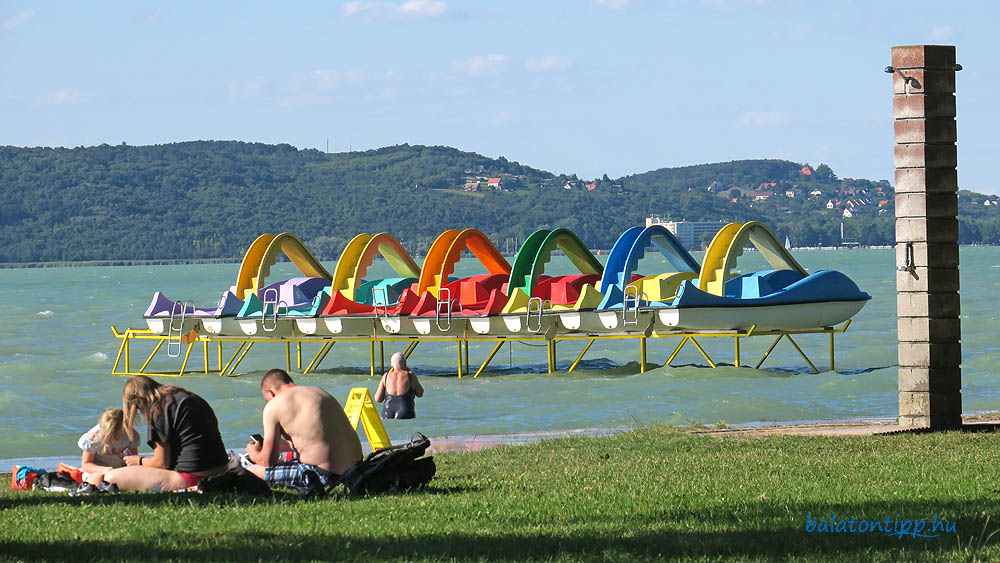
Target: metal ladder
271,298
527,314
632,296
178,314
445,302
376,292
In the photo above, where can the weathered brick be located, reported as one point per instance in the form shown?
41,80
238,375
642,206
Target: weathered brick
924,82
923,204
935,280
923,105
924,304
932,180
924,56
941,411
930,354
937,130
930,230
930,380
922,155
923,329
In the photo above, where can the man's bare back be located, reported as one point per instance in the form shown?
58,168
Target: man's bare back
316,425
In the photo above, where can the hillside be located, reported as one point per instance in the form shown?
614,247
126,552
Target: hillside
207,199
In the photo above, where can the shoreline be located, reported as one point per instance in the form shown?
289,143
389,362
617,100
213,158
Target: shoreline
862,426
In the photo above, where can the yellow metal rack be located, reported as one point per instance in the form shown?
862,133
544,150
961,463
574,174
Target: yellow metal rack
123,361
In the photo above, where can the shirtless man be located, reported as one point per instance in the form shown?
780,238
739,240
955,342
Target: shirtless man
309,421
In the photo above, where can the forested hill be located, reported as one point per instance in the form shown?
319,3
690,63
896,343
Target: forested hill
211,199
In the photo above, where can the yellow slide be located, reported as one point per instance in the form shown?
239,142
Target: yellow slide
263,253
727,246
358,255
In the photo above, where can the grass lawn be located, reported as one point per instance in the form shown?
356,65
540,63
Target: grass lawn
657,493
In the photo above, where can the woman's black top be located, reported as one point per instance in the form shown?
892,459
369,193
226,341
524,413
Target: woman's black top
187,424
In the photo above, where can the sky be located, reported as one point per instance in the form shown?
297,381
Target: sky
582,87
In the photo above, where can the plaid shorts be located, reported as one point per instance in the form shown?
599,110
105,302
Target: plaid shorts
293,473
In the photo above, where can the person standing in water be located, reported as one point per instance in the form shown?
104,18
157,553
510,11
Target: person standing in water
398,388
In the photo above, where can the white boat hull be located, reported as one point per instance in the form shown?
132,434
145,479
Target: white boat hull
224,326
766,317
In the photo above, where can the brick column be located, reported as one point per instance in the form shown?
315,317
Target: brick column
927,282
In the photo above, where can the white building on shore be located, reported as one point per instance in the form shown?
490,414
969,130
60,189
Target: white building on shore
689,233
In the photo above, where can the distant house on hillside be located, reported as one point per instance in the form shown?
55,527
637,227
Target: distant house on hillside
495,183
762,196
569,185
816,192
792,193
806,171
471,186
712,187
848,214
766,185
829,204
590,187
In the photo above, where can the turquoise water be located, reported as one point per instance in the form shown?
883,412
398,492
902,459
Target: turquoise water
56,353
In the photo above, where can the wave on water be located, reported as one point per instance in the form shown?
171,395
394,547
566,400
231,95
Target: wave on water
45,313
98,357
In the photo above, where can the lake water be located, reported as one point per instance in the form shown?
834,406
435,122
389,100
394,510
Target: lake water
56,353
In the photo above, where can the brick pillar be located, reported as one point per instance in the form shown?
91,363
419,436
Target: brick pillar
927,283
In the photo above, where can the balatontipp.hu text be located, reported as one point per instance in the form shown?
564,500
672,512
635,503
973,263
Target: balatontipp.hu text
894,527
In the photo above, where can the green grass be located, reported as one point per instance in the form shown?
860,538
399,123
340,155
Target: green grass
654,493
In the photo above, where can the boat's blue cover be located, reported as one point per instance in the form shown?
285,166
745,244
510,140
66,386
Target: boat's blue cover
824,285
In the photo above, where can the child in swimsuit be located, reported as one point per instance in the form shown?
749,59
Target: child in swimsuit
105,444
404,383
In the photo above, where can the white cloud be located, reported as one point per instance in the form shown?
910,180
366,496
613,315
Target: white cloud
941,33
326,80
482,66
408,10
764,118
59,99
613,5
153,18
17,21
549,63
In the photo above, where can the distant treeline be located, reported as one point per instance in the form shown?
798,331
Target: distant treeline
204,200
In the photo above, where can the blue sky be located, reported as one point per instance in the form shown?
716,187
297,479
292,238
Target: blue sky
576,86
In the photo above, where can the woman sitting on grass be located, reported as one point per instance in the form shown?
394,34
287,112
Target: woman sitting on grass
183,433
105,445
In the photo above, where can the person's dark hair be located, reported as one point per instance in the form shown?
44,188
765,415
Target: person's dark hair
275,376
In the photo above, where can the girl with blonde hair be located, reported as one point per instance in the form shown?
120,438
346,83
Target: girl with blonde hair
105,445
183,432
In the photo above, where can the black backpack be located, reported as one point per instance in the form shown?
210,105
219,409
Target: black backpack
396,468
237,480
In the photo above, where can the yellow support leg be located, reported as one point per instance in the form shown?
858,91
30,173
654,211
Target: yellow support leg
642,354
316,359
677,350
298,352
465,346
187,355
121,350
702,350
580,357
801,353
233,358
288,355
410,348
239,360
381,355
150,358
128,352
204,350
489,359
371,357
460,360
768,353
220,357
737,341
